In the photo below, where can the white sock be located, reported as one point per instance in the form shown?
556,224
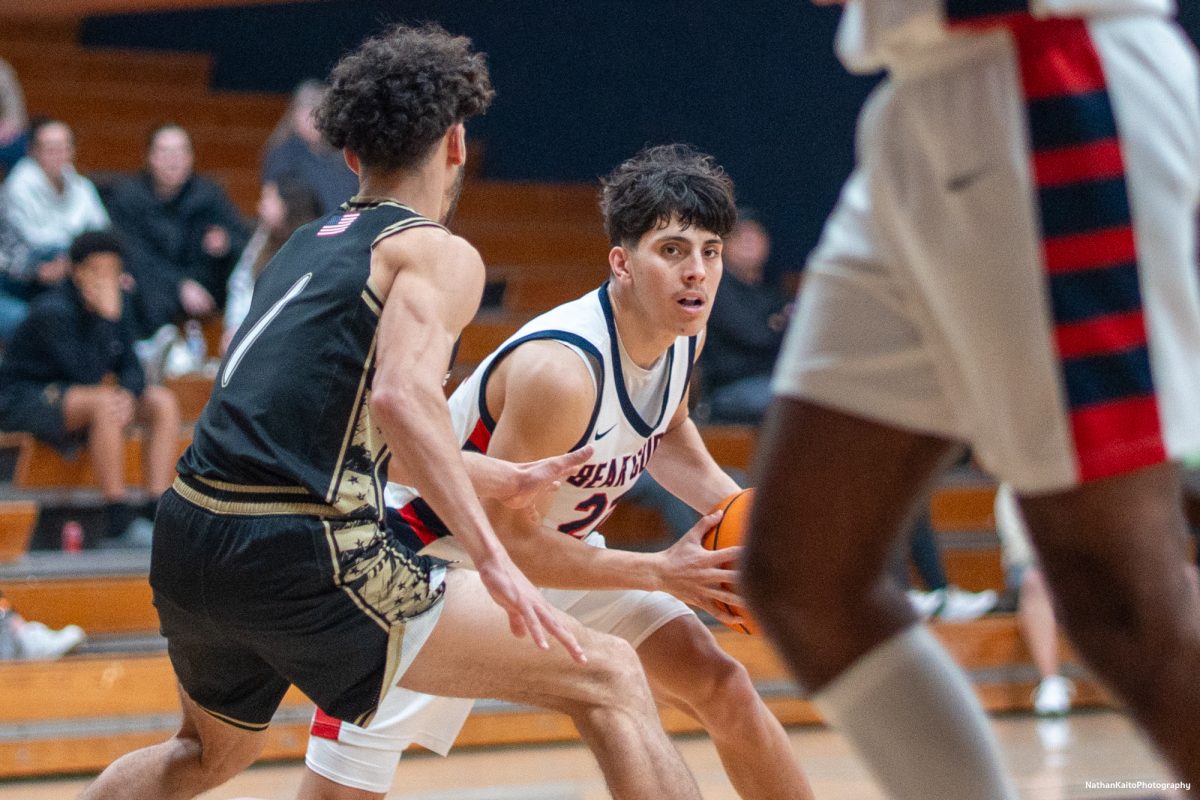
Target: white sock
913,717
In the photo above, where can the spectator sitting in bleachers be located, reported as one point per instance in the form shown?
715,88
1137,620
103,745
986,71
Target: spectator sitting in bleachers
70,377
183,233
297,146
745,330
47,201
283,206
19,279
14,124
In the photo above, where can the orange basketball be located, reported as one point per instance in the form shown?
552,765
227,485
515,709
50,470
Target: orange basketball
731,531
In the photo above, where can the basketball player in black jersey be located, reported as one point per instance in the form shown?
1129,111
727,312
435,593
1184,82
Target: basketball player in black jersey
271,566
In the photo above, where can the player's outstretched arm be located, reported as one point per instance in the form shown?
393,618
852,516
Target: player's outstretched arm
522,485
432,283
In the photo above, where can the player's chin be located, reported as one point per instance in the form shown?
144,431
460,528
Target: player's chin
693,325
692,319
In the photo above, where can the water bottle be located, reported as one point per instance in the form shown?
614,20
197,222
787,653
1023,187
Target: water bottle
9,647
72,537
196,344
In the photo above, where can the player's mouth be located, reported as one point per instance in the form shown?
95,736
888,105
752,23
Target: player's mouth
692,302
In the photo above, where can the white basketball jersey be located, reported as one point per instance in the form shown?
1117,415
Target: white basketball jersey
624,437
874,34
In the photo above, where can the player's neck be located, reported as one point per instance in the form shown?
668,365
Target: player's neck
644,343
420,191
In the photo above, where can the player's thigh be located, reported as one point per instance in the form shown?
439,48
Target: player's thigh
835,490
224,749
1114,542
472,653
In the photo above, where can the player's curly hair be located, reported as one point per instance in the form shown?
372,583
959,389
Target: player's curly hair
662,182
394,97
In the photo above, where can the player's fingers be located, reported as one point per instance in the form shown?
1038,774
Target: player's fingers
723,614
516,624
564,635
534,626
724,594
559,467
726,558
704,525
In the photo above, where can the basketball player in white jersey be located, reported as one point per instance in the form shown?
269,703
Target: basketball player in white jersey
1011,266
610,369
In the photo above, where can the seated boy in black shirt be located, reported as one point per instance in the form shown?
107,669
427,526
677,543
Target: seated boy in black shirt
70,376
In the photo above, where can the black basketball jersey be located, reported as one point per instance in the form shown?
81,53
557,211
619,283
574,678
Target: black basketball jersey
288,428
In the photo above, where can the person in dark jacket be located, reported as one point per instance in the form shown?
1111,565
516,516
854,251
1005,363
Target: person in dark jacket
70,376
745,329
183,232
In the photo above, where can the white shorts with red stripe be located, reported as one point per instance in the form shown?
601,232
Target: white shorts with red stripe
366,758
1012,264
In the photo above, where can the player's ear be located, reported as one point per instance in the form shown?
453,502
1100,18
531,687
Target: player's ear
618,262
352,161
456,144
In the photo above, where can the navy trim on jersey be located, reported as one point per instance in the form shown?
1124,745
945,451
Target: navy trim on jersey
555,335
687,378
631,413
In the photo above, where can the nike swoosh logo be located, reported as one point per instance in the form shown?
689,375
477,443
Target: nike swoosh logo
960,182
600,436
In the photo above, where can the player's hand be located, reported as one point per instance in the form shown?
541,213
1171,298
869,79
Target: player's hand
119,408
216,242
526,484
699,577
195,299
101,296
528,610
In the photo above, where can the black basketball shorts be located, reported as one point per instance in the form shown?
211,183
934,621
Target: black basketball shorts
250,604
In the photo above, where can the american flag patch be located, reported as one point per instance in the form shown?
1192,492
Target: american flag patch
334,228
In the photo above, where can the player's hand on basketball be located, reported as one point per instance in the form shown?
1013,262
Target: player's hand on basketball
528,610
698,576
528,483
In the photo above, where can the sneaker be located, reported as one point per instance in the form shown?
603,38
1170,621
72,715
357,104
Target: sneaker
138,534
38,642
963,606
926,604
1052,697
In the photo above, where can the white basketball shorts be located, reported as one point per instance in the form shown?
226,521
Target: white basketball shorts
366,758
1012,263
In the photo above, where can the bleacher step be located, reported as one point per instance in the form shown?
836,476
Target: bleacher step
79,713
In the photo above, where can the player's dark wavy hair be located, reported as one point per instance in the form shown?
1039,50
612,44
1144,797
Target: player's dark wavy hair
662,182
394,97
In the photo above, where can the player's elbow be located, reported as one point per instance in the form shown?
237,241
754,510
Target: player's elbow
397,407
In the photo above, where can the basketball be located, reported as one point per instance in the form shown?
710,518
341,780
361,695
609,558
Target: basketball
731,531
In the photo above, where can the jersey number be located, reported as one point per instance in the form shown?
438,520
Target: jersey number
594,506
236,357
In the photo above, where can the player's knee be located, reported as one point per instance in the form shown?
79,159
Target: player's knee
616,672
1094,620
209,767
160,403
725,695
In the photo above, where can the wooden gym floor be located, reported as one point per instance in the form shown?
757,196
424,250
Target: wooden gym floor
1051,761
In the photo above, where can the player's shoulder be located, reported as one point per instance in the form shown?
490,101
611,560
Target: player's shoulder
428,246
545,370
